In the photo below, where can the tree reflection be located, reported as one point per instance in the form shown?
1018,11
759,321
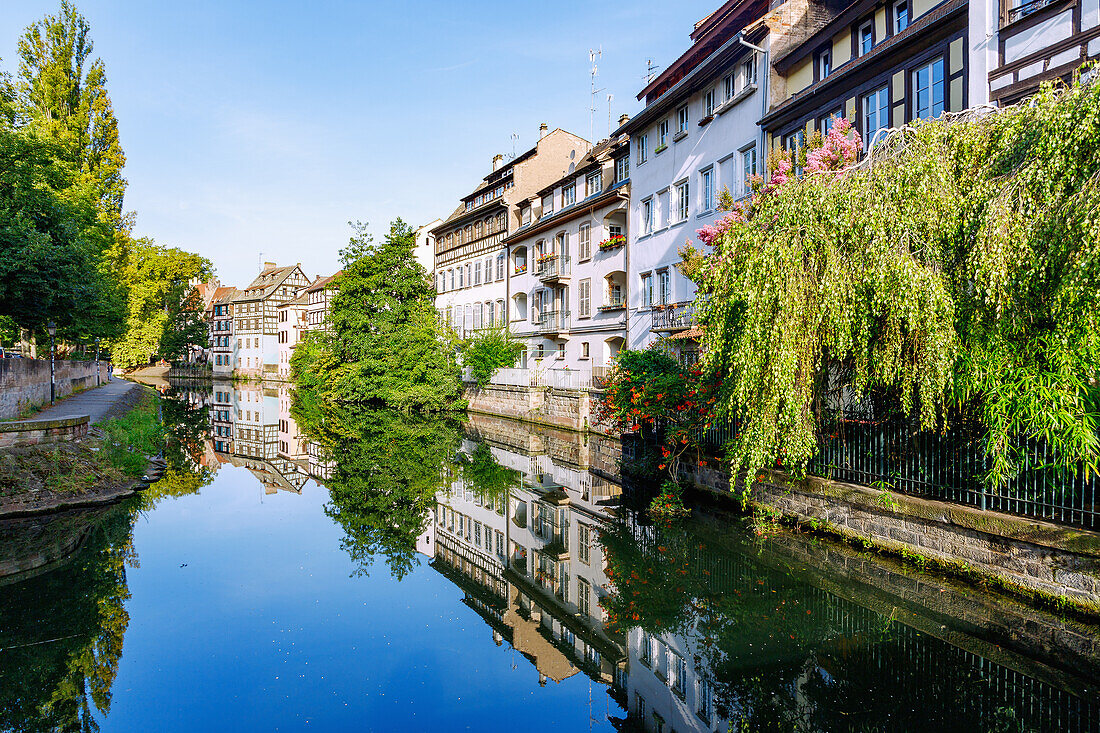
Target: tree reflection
61,632
386,469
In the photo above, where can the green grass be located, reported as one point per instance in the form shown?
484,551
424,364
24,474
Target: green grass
127,440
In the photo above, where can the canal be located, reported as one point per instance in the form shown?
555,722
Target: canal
303,568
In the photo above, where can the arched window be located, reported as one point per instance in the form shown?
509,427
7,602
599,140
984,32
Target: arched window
519,306
520,260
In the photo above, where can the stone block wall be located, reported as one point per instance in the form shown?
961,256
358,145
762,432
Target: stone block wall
35,432
571,409
25,383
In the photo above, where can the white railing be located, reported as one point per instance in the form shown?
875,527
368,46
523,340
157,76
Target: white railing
546,377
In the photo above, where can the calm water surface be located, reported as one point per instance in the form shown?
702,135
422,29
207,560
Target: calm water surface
307,569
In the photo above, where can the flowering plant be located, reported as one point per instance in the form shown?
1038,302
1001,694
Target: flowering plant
612,242
547,257
520,269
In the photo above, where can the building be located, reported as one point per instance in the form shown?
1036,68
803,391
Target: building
319,294
255,318
223,346
291,326
696,136
470,254
425,246
568,283
1023,44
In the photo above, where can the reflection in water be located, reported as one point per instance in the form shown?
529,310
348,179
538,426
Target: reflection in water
692,626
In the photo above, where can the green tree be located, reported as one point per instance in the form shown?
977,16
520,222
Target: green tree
489,350
162,313
62,95
386,346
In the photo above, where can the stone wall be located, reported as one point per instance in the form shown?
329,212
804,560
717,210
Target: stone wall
25,383
571,409
35,432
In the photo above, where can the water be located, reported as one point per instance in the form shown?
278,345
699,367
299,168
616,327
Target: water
308,569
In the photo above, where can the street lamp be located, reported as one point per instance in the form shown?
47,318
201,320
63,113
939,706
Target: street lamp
52,328
97,361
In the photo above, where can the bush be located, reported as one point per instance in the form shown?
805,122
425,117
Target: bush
489,350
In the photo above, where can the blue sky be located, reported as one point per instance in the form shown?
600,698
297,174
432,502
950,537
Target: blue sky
265,127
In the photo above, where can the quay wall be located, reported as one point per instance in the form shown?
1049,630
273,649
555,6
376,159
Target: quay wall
1024,555
25,383
37,432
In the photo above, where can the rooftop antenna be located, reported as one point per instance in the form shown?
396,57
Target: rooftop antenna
610,97
515,137
650,69
260,262
593,55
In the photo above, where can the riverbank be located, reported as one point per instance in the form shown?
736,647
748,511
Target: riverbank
113,461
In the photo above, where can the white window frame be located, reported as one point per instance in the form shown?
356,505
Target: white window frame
662,133
643,149
647,290
876,105
683,201
584,298
748,162
706,190
867,27
682,120
710,102
647,216
914,76
895,16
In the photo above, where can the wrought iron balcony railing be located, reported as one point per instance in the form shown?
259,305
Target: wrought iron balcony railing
677,317
554,267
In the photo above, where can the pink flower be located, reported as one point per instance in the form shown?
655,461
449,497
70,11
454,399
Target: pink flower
840,150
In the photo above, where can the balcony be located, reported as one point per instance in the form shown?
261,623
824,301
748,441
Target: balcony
553,268
1012,11
552,322
615,302
672,318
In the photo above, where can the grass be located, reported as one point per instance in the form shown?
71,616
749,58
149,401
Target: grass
114,453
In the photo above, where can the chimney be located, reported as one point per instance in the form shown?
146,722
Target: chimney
542,130
497,160
269,265
623,119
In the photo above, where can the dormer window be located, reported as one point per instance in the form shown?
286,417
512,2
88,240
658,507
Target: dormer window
592,183
568,195
525,215
824,63
866,37
548,204
901,16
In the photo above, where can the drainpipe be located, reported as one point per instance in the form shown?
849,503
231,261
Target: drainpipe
764,75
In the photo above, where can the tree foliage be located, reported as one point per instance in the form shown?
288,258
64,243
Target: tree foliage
961,267
386,346
489,350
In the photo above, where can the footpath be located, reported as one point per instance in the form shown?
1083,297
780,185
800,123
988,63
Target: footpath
99,403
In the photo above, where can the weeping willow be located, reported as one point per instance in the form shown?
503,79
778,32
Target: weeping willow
957,266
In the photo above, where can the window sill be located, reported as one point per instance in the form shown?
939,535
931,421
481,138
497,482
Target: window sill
705,212
679,136
706,120
735,99
660,149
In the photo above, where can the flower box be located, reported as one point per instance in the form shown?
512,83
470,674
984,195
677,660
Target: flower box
520,269
660,148
547,258
612,243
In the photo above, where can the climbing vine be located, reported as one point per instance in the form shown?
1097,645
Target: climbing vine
958,266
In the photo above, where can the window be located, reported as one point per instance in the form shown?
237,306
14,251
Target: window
708,103
928,90
866,37
477,533
584,532
521,260
647,216
901,16
662,134
876,114
461,284
682,120
561,244
643,149
593,183
748,170
677,673
500,266
825,124
477,273
585,246
706,184
584,597
525,215
664,287
584,349
568,195
704,704
548,204
748,72
452,274
640,707
824,63
682,203
614,230
664,211
622,169
647,290
584,293
794,143
561,355
644,653
731,86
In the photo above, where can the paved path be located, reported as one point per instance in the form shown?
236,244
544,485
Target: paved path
95,403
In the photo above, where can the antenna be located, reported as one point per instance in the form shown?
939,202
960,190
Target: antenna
515,137
610,97
593,55
650,68
260,262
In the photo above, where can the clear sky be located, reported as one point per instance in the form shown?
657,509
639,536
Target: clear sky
263,127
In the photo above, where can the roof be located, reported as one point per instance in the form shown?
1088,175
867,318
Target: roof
619,190
266,283
323,282
596,155
225,294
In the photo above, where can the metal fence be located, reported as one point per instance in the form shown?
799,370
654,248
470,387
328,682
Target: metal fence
590,378
876,446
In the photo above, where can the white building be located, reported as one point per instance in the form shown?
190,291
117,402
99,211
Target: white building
470,254
696,136
291,325
568,281
425,245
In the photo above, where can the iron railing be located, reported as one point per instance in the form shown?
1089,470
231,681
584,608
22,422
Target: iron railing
615,301
676,317
553,268
1011,13
552,322
873,445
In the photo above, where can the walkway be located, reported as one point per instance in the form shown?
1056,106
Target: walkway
96,403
